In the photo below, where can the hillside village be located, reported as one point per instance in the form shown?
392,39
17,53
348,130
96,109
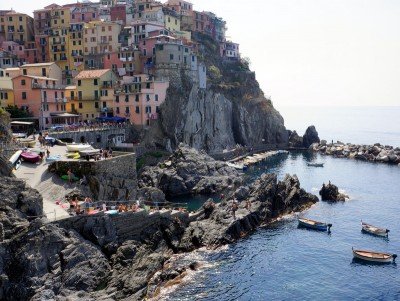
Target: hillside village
85,60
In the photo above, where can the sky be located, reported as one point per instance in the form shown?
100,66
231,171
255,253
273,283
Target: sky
309,52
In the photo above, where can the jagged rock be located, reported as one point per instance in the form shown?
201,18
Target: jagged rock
294,139
310,136
152,194
331,193
190,172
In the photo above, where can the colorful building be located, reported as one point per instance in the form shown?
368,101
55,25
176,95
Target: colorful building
6,90
17,27
172,20
51,70
229,50
138,98
93,88
99,38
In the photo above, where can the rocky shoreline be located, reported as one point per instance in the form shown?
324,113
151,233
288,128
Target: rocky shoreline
371,153
126,257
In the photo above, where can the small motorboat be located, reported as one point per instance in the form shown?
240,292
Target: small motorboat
78,147
15,157
236,166
27,142
367,228
30,157
315,164
372,256
315,225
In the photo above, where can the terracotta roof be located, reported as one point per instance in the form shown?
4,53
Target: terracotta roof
91,73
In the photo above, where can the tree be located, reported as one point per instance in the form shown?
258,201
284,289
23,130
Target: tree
16,112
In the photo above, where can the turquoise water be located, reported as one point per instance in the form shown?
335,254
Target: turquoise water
363,125
282,262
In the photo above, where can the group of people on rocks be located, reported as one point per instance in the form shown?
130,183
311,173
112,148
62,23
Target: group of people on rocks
91,125
235,206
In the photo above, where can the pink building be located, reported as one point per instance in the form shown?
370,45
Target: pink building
139,98
43,98
16,50
83,12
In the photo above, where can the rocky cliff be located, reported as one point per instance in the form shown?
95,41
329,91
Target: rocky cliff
232,110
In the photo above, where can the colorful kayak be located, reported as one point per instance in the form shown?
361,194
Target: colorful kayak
30,157
373,256
367,228
315,225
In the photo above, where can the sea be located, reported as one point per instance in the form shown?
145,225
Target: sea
284,262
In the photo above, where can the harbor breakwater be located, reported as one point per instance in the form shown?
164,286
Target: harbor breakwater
372,153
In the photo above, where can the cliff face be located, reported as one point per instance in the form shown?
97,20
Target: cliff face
232,110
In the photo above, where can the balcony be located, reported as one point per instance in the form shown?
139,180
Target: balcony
20,30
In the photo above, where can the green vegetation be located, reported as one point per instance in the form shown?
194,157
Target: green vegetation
150,159
16,112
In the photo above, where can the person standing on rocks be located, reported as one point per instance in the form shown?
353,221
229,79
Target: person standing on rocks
235,207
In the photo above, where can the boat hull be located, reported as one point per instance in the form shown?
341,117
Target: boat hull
357,254
369,229
78,147
30,157
318,227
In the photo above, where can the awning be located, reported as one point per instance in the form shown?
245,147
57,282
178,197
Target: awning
21,123
63,115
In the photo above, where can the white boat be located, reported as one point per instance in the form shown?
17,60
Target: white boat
236,166
14,158
27,142
316,164
374,230
78,147
373,256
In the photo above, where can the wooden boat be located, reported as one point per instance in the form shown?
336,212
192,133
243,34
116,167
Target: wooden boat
78,147
315,225
367,228
315,164
374,256
30,157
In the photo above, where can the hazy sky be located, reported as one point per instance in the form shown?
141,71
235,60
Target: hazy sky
310,52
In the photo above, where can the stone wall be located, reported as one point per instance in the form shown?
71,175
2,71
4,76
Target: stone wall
110,179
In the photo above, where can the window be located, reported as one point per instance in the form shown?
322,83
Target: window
5,95
80,95
80,105
104,104
156,97
117,98
137,98
137,110
95,82
109,28
147,85
23,95
126,98
44,72
96,94
103,29
79,82
96,105
157,109
72,94
171,57
23,82
20,19
147,97
117,110
148,109
24,72
127,110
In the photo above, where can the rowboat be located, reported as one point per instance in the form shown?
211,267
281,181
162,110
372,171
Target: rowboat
367,228
78,147
374,256
27,142
30,157
315,164
315,225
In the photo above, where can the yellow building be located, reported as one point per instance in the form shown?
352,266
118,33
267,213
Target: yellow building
6,90
93,93
59,37
172,20
76,48
51,70
17,27
99,38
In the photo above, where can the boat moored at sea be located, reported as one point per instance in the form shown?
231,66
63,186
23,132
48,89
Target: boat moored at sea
315,225
315,164
370,229
74,147
372,256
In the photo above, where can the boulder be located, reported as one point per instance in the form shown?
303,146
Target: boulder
310,136
331,193
294,139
